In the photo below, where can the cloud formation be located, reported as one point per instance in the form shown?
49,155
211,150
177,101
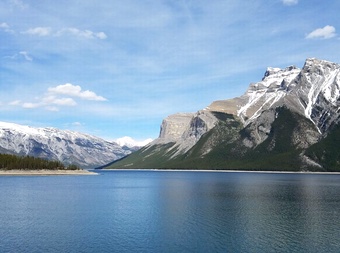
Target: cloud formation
26,55
48,31
50,103
39,31
5,27
290,2
21,55
326,32
15,102
61,95
79,33
75,91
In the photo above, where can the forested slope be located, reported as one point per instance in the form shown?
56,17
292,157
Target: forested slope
13,162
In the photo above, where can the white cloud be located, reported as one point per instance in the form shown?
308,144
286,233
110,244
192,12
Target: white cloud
50,103
48,31
76,124
81,33
30,105
59,96
39,31
15,102
64,101
101,35
58,101
18,56
26,55
290,2
4,26
323,33
75,91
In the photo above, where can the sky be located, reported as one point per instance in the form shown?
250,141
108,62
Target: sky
118,68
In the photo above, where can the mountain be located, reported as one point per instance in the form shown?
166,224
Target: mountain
66,146
131,143
287,121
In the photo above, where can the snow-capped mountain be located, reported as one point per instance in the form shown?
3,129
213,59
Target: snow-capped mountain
302,90
259,96
66,146
288,120
131,143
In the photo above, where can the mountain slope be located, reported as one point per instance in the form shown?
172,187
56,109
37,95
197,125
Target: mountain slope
327,151
66,146
287,121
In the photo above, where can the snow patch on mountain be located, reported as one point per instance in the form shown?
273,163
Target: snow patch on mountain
266,93
260,96
324,81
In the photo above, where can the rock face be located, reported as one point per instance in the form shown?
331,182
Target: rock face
184,129
66,146
287,121
174,126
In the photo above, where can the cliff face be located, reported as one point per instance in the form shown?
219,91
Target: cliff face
184,130
274,125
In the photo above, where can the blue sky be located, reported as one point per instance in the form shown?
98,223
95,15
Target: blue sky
117,68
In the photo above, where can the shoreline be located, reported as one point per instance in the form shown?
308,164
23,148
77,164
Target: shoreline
97,172
46,172
231,171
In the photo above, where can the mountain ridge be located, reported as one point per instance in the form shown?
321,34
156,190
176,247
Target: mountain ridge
246,132
66,146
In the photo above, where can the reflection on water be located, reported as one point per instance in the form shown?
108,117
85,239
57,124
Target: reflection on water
145,211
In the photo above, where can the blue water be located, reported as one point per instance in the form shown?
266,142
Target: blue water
147,211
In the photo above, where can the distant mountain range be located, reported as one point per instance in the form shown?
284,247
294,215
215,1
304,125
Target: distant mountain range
66,146
131,143
287,121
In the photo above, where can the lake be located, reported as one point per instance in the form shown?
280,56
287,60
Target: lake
158,211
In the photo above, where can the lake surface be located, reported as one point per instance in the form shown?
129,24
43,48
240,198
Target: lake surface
149,211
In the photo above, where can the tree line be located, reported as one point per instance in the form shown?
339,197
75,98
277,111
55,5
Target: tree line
13,162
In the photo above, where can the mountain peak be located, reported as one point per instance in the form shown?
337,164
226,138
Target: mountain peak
312,64
300,89
259,95
278,72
